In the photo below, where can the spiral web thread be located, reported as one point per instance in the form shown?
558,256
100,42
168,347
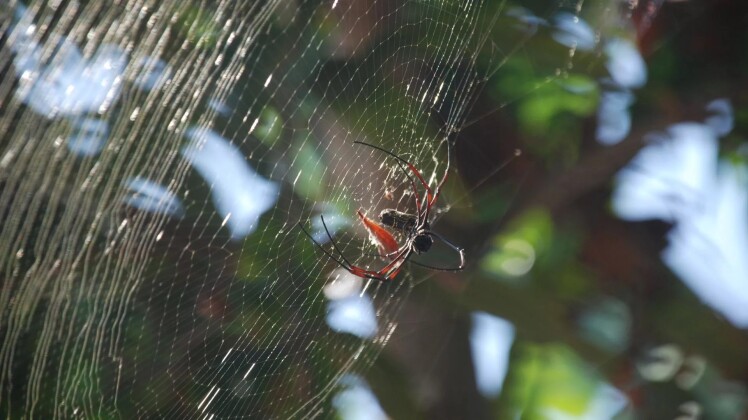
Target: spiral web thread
146,270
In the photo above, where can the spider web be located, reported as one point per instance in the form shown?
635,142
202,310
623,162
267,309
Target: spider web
156,160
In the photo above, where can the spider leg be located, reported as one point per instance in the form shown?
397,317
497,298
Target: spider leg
415,190
345,264
412,168
393,268
415,193
402,168
431,267
451,245
387,273
388,247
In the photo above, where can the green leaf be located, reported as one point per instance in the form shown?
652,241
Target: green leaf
269,126
514,253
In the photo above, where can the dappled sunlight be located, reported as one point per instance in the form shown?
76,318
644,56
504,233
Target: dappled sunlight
349,309
709,244
354,315
491,340
240,194
722,116
669,176
516,251
627,71
70,85
373,209
152,197
625,63
552,382
356,401
613,116
678,178
606,403
89,136
520,257
572,31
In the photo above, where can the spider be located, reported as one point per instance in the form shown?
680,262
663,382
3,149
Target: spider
416,227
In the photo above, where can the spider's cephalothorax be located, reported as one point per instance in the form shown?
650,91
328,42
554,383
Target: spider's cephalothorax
422,242
415,228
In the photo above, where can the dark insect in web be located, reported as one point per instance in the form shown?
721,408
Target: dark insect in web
416,227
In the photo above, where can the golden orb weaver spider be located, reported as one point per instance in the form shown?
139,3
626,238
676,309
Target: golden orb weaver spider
416,227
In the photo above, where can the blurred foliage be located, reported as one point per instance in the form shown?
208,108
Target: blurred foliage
546,380
310,170
269,126
517,250
589,307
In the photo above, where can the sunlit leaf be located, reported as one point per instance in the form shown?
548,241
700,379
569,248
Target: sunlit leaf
515,252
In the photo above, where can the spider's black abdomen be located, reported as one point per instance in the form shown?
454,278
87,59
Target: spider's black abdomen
422,243
403,222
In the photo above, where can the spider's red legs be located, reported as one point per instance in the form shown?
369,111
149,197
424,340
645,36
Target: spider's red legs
412,168
387,273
